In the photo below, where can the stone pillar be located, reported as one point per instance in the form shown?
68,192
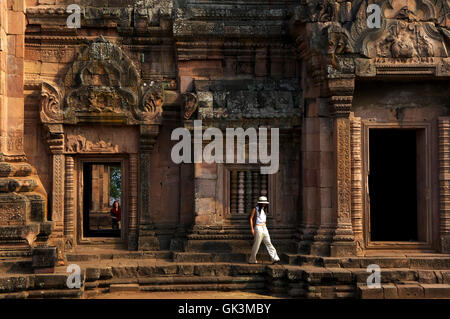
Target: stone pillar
316,227
357,182
55,141
69,204
23,200
444,183
341,89
132,215
147,236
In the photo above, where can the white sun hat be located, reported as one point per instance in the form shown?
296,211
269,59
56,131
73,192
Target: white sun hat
263,200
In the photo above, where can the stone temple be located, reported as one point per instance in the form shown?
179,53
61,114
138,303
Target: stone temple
91,91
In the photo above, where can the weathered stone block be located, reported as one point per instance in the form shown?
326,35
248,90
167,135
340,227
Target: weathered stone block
92,274
436,290
44,259
342,275
16,22
185,270
106,273
51,281
365,292
427,276
390,291
410,291
124,272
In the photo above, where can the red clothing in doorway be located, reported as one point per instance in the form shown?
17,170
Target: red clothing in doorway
116,213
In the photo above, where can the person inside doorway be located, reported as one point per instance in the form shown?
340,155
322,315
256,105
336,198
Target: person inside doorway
260,232
115,215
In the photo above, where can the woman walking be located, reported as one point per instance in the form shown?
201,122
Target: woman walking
260,231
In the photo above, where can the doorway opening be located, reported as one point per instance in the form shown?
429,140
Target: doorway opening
102,190
396,185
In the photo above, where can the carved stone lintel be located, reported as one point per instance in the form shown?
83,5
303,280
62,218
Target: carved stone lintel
79,144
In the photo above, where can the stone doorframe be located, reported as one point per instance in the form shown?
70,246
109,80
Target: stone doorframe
103,87
128,211
360,192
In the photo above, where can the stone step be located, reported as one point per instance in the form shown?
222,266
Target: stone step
207,283
74,257
406,290
413,262
180,283
194,280
152,270
331,276
16,266
217,257
255,286
123,287
51,294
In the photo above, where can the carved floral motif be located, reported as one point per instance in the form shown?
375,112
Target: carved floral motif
51,97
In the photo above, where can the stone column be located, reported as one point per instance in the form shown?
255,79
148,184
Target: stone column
444,183
357,182
69,204
341,89
316,225
55,141
147,236
132,215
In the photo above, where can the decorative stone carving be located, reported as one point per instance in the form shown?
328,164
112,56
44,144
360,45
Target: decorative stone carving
443,68
405,40
357,183
51,99
69,206
444,183
190,102
103,85
79,144
248,99
365,67
152,102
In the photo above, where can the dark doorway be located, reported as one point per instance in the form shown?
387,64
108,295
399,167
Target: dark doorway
102,187
393,184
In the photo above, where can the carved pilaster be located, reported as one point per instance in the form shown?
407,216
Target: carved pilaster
341,100
147,236
55,141
69,207
357,194
444,183
132,217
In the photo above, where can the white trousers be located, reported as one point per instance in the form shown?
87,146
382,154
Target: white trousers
262,234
